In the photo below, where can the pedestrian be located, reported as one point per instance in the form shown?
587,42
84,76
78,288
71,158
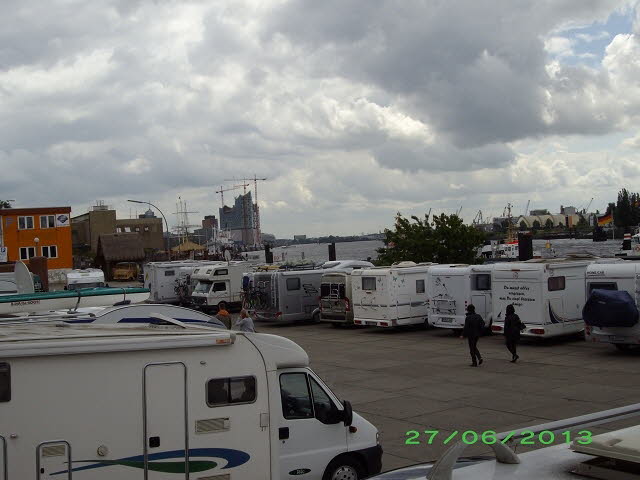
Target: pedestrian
512,328
473,325
244,323
223,315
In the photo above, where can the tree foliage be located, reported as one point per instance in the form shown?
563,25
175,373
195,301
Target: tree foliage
5,204
440,239
626,211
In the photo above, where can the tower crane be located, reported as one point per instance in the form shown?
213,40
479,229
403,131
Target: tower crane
222,190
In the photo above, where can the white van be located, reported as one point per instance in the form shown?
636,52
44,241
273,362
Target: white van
615,276
452,288
165,278
391,296
166,402
86,278
548,295
218,283
286,295
336,293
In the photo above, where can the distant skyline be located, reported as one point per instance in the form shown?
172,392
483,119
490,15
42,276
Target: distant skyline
353,109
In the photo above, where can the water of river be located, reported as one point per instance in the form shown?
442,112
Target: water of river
362,250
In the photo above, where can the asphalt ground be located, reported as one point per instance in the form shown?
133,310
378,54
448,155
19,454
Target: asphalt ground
416,379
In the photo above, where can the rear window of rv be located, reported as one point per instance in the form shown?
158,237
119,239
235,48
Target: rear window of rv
556,283
5,382
231,391
419,286
368,283
222,272
293,284
169,273
482,281
603,286
333,290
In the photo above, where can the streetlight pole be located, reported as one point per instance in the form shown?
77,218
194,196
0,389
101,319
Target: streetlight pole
167,243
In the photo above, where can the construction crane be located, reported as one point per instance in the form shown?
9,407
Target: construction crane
256,207
478,219
586,210
222,190
526,209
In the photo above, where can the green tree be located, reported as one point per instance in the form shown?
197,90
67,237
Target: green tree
441,239
548,225
5,204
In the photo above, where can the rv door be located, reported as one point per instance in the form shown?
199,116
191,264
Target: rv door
311,429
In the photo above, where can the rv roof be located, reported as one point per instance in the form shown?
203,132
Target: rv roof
19,340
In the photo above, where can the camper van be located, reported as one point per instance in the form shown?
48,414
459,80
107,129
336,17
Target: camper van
171,401
548,295
336,292
452,288
391,296
86,278
165,279
620,276
286,295
218,283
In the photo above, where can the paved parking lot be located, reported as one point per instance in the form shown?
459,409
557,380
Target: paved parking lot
404,380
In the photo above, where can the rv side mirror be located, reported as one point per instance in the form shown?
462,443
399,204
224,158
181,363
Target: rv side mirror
347,413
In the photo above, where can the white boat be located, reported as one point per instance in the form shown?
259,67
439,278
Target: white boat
67,299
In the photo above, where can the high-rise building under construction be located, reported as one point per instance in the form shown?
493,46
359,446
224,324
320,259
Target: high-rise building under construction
239,220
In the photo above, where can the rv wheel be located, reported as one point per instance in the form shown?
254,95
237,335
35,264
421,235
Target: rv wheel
343,468
316,317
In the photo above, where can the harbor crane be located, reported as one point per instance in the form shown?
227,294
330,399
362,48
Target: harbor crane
526,209
478,219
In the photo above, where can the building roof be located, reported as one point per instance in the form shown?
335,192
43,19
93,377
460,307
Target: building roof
187,246
120,246
35,210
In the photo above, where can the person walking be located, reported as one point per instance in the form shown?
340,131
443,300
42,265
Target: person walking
512,328
223,316
244,323
473,325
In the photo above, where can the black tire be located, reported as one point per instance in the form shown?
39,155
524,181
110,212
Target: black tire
623,347
316,318
344,467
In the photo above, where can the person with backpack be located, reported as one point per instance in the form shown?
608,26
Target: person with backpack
512,328
473,325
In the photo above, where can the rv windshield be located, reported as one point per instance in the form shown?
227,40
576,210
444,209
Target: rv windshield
203,286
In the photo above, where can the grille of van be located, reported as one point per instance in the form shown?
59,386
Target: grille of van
54,450
212,425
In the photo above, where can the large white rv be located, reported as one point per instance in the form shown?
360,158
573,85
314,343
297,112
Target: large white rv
453,287
165,278
218,283
548,295
286,295
166,402
391,296
336,295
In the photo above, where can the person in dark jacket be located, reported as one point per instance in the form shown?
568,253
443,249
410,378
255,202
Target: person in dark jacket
473,326
512,328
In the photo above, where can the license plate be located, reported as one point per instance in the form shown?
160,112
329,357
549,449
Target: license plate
619,339
371,323
446,320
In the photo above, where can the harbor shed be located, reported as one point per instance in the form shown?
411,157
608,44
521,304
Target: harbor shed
118,247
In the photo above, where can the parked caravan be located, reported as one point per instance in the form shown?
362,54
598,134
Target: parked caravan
548,295
86,278
452,288
391,296
336,293
166,279
286,295
620,330
218,283
176,401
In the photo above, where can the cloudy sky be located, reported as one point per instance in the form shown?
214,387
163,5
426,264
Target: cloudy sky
353,109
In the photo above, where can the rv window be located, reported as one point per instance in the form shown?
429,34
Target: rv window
5,382
419,286
482,281
203,287
323,407
296,400
231,391
368,283
219,286
169,273
196,271
603,286
556,283
221,272
293,284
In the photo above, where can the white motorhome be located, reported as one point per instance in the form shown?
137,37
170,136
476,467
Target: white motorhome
391,296
165,278
286,295
615,276
166,402
548,295
86,278
336,294
453,287
218,283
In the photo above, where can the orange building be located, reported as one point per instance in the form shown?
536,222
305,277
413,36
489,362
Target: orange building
34,232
